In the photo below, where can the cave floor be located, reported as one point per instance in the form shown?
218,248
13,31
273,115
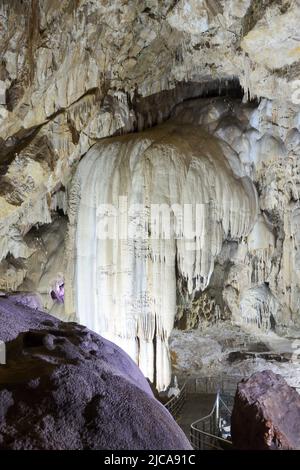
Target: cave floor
197,406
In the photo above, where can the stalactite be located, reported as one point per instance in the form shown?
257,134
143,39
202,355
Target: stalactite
59,201
258,305
126,288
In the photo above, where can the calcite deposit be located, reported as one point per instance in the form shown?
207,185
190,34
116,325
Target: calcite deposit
187,101
163,174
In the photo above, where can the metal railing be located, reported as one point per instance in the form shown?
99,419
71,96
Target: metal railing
207,432
213,431
225,384
212,384
207,385
176,403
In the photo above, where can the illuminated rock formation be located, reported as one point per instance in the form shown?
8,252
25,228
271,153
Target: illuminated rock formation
127,281
74,73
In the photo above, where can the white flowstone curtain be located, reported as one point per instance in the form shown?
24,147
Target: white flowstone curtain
126,288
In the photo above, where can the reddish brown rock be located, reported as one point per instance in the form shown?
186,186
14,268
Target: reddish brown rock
266,414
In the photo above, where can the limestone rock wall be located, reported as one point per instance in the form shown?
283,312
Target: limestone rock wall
127,271
74,72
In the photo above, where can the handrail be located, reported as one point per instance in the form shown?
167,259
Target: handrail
213,384
226,384
224,404
175,404
201,438
218,398
204,431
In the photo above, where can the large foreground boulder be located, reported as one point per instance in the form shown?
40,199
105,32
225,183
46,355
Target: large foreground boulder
266,414
65,387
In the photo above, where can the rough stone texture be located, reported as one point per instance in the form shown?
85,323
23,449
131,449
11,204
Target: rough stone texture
64,387
266,414
181,165
73,72
227,350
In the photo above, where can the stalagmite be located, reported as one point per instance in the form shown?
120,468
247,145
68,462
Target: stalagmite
169,198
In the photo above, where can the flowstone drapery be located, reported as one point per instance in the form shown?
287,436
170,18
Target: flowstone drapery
181,198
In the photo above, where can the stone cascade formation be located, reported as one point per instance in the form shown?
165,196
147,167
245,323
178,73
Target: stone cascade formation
184,197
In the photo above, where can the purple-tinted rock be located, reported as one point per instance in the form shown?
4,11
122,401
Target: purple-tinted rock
266,414
58,293
65,387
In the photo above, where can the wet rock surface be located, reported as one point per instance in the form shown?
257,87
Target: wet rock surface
64,387
266,414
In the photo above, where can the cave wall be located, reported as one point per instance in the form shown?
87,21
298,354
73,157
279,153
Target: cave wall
133,197
75,72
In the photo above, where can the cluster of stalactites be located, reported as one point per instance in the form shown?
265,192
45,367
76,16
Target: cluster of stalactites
126,287
258,307
17,223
